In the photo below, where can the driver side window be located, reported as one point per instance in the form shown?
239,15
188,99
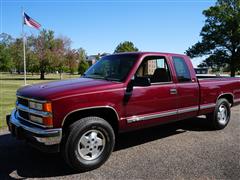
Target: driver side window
154,68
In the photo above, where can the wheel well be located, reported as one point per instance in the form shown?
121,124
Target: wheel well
229,97
107,114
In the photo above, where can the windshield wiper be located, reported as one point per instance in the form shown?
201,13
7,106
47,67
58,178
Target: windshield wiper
98,76
110,78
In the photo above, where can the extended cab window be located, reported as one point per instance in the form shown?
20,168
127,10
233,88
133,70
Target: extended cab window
154,68
182,70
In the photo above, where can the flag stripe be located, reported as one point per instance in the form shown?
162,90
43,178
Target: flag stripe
31,22
34,24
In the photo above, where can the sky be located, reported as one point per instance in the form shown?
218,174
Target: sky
99,26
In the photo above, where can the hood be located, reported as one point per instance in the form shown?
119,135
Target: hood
57,89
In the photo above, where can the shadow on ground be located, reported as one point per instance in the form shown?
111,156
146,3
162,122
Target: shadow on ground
18,159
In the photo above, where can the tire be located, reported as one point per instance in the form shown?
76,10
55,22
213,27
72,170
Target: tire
220,118
88,143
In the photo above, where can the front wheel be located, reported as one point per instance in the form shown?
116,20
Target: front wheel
88,144
221,115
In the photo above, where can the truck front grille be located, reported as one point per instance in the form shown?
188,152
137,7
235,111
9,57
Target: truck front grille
22,101
23,114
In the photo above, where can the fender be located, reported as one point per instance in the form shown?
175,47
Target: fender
87,108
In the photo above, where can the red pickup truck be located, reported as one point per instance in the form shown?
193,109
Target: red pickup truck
121,92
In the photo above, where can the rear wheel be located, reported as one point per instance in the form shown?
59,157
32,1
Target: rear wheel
88,144
221,115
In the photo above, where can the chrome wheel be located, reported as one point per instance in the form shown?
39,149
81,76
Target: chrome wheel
222,114
91,144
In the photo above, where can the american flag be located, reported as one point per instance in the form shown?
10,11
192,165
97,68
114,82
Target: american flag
31,22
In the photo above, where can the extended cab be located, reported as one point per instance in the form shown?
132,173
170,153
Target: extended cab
121,92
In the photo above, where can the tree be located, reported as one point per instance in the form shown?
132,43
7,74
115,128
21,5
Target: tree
72,60
44,45
126,46
220,36
6,41
83,64
17,54
5,58
59,51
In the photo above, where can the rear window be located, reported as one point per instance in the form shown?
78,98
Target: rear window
183,74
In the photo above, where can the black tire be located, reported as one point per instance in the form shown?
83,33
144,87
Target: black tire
215,122
70,145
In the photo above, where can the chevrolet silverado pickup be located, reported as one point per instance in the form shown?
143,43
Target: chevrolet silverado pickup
121,92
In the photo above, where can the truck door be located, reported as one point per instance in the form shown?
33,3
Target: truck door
155,103
187,88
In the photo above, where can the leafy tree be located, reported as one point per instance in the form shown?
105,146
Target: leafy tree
17,54
82,67
5,58
126,46
72,60
32,61
220,36
58,52
44,45
83,64
5,53
6,39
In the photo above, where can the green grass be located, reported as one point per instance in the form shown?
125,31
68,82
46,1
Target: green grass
9,83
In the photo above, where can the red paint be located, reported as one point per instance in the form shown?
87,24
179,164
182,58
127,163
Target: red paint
71,95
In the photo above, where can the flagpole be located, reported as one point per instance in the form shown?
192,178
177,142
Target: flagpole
24,50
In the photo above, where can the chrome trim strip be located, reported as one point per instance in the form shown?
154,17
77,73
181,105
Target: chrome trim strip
186,110
93,107
34,100
46,136
32,111
207,106
162,83
237,100
159,115
154,116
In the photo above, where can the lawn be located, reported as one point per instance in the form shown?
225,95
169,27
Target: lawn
9,83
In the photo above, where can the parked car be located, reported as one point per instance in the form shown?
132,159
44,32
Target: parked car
121,92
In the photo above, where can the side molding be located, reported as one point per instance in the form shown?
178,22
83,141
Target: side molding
160,115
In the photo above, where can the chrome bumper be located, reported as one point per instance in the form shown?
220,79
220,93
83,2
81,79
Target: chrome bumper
23,130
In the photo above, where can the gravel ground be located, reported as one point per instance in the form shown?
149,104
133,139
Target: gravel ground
182,150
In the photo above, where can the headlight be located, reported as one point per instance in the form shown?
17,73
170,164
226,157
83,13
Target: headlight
46,107
35,105
36,119
46,121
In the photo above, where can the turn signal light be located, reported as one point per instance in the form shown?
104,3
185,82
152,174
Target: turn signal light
47,107
48,121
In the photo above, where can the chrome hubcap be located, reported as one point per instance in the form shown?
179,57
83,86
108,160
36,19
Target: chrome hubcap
91,144
222,115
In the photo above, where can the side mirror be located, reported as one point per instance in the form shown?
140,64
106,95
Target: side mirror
137,81
141,81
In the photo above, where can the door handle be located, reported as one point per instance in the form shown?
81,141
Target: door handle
173,91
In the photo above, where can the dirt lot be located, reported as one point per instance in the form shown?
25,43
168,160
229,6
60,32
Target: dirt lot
183,150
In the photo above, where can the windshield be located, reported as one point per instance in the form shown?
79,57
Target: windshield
113,67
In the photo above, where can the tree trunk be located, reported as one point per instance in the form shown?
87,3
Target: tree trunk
42,73
61,76
232,67
233,71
